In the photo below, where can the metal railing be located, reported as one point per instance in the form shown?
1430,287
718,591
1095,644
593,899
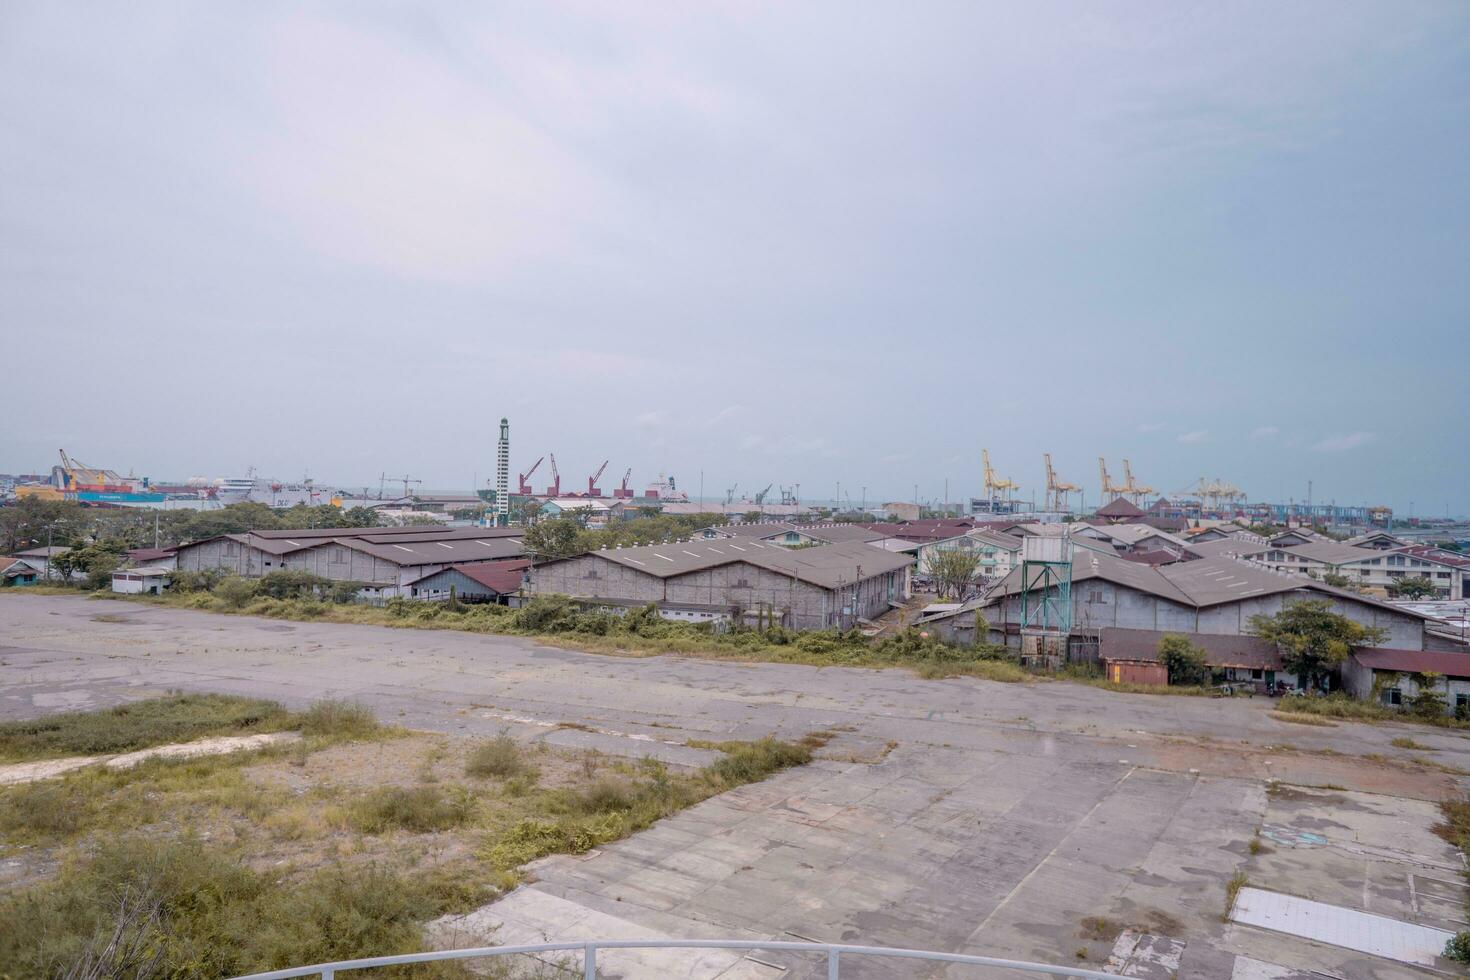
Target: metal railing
589,950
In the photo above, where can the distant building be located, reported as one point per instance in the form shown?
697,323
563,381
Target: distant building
383,561
833,585
1394,677
18,571
144,580
902,511
491,581
1214,596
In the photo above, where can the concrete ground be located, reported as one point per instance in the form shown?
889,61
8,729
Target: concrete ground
1027,821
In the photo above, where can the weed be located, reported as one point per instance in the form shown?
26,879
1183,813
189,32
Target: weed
157,721
340,721
1099,929
1404,742
500,757
1300,719
421,809
1232,891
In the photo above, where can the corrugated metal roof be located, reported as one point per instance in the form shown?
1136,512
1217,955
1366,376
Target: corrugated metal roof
1414,661
498,576
828,565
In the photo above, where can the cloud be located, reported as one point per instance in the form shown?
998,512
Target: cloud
892,458
655,417
1343,442
1265,432
1152,426
724,415
1193,438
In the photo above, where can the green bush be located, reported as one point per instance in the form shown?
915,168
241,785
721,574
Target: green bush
421,809
340,720
155,721
500,757
234,591
1457,948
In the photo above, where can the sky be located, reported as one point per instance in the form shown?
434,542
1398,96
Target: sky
743,243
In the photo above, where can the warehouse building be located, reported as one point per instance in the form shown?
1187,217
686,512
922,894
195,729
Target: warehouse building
489,581
384,560
730,580
1216,596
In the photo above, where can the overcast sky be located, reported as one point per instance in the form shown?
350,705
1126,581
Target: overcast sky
791,243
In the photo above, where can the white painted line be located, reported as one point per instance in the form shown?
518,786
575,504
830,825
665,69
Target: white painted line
1377,935
664,557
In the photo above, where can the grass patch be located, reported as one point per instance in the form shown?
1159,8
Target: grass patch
339,721
556,620
220,865
1404,742
1301,719
1340,705
419,809
1232,892
139,725
184,909
501,757
1099,930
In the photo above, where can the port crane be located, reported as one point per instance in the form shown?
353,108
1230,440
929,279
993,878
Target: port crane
996,488
525,477
622,491
555,489
383,478
592,490
760,498
1058,492
1131,487
730,494
1110,490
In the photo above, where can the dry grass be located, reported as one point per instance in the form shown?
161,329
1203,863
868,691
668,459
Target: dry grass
1404,742
500,757
259,860
1299,719
1232,892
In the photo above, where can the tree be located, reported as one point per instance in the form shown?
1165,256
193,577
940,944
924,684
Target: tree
554,538
1340,581
1312,638
1419,587
953,569
1184,661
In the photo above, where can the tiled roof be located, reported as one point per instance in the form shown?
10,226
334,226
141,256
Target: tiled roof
828,565
1220,650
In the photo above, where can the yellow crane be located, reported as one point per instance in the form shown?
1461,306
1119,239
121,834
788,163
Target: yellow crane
1058,492
1131,487
1110,490
996,487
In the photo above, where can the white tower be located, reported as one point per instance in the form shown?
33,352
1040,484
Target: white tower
502,476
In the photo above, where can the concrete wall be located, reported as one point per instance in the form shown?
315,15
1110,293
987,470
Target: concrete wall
1357,680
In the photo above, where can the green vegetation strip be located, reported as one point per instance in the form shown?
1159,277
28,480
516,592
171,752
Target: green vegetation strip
155,862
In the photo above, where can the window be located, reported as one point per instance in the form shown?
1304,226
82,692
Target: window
1396,559
1462,703
741,583
591,573
1393,696
338,555
1094,596
1258,675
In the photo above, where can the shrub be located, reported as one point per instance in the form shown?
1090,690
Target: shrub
234,591
1184,661
421,809
155,721
748,762
339,720
41,809
1458,947
500,757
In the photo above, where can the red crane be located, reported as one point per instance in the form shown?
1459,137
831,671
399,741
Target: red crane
526,490
623,491
555,489
592,490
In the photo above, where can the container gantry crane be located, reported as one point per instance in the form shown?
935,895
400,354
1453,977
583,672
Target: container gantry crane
1131,487
1110,490
1058,492
996,488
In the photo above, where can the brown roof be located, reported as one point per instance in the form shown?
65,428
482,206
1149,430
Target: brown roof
145,555
498,576
1414,661
1220,651
1119,508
